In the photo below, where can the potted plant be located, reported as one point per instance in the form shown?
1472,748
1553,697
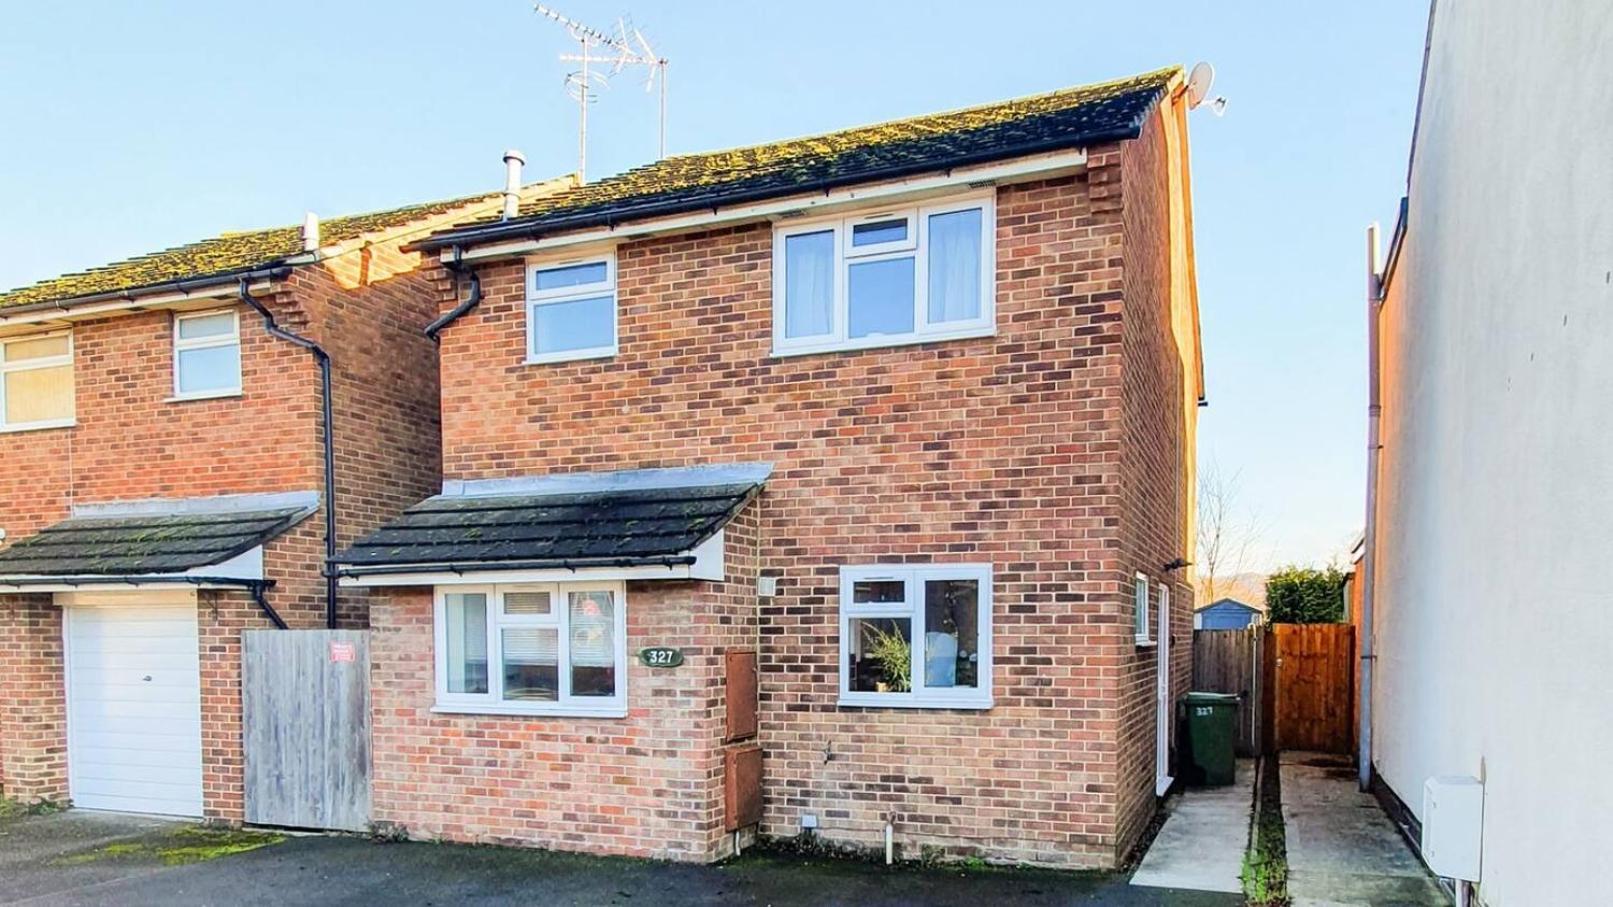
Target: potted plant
894,655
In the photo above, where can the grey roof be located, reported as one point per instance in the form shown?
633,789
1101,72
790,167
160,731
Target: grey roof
145,544
622,527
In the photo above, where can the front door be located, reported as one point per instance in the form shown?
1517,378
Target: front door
1162,697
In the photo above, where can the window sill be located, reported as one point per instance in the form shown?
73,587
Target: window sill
553,711
881,341
210,395
1144,642
38,426
571,356
901,701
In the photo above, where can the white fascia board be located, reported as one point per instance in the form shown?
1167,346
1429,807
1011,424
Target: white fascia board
1017,170
467,577
66,313
248,565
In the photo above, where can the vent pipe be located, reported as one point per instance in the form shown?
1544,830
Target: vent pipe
512,182
310,232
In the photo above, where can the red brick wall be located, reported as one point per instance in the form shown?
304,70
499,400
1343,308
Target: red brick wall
33,709
1154,517
649,785
1006,449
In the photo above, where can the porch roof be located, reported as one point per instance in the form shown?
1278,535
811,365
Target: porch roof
145,544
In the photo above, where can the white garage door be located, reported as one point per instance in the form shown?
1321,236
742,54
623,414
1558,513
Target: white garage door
134,722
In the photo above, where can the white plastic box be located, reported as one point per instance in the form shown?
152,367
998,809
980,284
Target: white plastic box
1453,825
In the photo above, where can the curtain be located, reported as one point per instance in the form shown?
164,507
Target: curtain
954,266
808,284
39,395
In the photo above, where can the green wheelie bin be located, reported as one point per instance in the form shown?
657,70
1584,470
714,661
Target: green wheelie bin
1212,727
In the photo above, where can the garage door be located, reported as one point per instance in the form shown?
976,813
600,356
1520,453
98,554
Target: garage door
134,723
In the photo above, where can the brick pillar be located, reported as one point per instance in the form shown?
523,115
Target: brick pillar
33,703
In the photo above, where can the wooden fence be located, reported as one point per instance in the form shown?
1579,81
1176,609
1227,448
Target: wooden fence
1229,661
305,697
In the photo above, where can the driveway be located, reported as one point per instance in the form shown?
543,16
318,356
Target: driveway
91,858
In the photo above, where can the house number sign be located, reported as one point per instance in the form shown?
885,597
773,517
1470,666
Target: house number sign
661,657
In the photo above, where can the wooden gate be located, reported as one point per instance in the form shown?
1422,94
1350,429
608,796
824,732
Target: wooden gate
1314,688
1229,661
305,697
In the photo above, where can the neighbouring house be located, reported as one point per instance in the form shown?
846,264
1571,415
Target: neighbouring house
840,486
1484,613
163,424
1227,614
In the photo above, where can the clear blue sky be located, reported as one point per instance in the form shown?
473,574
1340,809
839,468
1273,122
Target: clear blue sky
130,127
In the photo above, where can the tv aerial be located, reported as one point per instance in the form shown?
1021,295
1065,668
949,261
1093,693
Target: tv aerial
612,53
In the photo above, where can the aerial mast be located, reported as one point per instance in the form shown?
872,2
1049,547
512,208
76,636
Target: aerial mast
627,47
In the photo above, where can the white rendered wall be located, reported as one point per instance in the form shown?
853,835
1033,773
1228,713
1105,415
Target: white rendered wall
1494,590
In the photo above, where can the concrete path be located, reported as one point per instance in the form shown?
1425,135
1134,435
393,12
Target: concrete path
1201,845
1342,849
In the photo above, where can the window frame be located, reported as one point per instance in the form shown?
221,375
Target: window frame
30,365
1142,610
915,246
576,293
559,618
206,343
912,608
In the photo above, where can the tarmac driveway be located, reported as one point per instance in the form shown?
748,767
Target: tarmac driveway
99,858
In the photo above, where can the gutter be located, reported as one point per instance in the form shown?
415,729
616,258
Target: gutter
613,216
272,272
457,266
327,437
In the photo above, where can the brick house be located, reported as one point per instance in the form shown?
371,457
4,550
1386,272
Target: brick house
838,486
165,488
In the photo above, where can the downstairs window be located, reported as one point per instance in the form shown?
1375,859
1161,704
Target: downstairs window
544,649
916,636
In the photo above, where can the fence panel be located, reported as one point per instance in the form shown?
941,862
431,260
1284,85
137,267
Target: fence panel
305,697
1229,661
1315,689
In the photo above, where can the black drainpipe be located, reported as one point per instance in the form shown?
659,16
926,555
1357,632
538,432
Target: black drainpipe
323,358
258,590
457,267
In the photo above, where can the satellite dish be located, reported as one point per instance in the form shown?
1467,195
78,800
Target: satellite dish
1198,84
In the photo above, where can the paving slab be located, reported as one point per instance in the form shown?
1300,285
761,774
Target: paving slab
1201,845
1342,848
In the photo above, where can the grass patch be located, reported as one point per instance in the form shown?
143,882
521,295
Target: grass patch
12,809
179,848
1265,863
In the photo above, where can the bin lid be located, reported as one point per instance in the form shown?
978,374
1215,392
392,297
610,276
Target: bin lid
1197,698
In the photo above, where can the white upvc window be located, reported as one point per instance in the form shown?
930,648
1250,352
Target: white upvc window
36,382
207,355
571,310
532,649
885,278
1142,629
916,636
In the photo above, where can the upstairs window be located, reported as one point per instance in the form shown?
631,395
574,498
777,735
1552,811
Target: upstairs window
36,382
207,355
899,276
571,310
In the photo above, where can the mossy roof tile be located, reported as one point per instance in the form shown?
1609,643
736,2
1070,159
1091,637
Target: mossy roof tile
225,254
1067,118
